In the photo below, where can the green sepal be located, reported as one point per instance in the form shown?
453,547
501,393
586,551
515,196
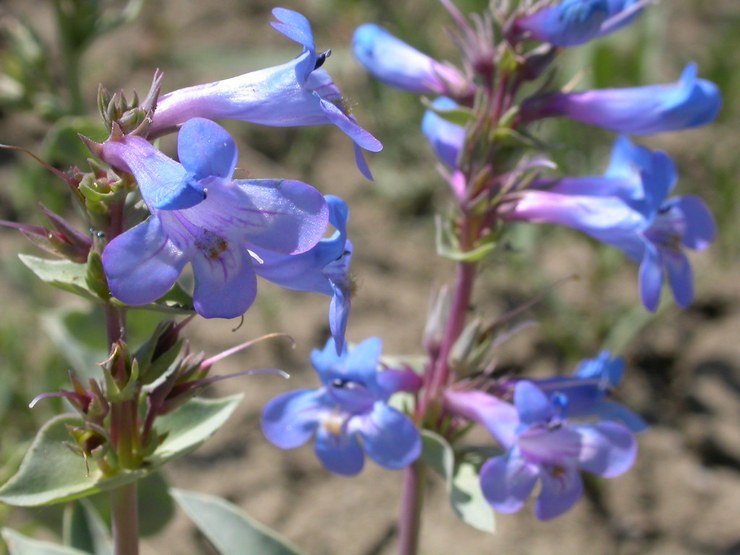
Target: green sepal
95,276
63,274
448,246
463,482
18,544
230,530
459,116
52,473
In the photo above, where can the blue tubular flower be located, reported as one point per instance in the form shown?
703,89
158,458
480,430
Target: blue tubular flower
627,208
574,22
297,93
349,414
542,446
587,391
142,264
323,269
690,102
395,63
446,138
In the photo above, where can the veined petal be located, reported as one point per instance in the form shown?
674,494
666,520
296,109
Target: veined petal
339,453
507,482
289,420
608,449
389,437
142,264
225,282
206,149
561,489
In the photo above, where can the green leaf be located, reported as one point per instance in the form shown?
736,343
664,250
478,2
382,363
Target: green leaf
448,247
230,530
19,544
63,274
84,529
463,482
52,473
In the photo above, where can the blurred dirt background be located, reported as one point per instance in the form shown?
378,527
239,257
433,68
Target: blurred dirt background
682,497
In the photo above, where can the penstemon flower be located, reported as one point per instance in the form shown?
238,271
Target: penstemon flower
691,102
215,235
296,93
395,63
322,269
627,208
574,22
349,414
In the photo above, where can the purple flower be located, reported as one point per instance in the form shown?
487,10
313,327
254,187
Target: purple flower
215,235
322,269
627,208
349,414
395,63
446,138
690,102
587,391
296,93
541,446
574,22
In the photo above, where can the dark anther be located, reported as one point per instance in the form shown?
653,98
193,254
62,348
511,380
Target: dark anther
100,234
339,383
321,58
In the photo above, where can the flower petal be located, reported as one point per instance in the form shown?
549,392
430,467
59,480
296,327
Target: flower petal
532,404
608,449
225,283
142,264
289,420
680,277
498,417
651,279
390,438
700,229
206,149
507,482
339,453
561,489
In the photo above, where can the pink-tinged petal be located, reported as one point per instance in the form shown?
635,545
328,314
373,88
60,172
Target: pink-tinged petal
142,264
507,482
390,438
225,283
498,417
544,445
164,184
289,420
339,453
205,149
651,279
608,449
391,381
561,489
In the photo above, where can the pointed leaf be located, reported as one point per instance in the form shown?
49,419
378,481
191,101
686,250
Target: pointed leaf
63,274
230,530
438,454
19,544
52,473
84,529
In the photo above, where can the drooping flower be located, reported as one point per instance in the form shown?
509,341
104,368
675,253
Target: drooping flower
446,138
395,63
541,446
349,414
588,390
691,102
214,235
322,269
296,93
574,22
627,208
